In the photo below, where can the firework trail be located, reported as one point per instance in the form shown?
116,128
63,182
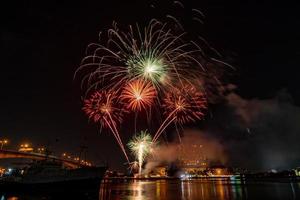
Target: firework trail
101,108
182,106
141,146
133,165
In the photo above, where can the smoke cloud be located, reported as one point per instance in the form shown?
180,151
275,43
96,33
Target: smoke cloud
255,134
259,133
194,144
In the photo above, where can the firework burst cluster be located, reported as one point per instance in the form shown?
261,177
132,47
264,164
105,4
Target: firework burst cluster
154,69
141,145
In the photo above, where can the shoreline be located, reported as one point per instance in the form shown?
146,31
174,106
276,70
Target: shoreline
216,178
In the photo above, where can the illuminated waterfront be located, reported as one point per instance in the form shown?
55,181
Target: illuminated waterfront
146,100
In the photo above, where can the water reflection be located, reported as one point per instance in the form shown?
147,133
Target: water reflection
133,189
197,190
206,190
172,189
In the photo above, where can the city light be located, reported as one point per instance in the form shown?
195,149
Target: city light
25,148
41,150
2,171
3,142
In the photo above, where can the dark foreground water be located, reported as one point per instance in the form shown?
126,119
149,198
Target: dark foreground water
175,189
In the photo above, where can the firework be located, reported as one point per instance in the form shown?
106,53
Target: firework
182,106
102,108
187,102
149,68
141,146
133,166
159,54
138,94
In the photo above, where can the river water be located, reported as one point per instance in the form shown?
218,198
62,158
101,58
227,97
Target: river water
177,190
198,190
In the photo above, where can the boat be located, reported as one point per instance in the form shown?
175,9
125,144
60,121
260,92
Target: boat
51,176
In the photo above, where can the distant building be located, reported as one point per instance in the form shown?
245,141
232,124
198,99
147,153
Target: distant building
192,156
219,170
159,171
192,160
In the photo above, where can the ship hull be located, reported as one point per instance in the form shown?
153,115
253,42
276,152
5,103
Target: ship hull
75,185
73,180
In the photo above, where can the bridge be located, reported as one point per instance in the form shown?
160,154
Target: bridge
4,154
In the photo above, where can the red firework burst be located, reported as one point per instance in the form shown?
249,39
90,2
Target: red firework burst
187,104
139,94
102,107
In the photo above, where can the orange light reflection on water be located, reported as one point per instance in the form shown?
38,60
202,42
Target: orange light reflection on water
137,190
161,189
203,189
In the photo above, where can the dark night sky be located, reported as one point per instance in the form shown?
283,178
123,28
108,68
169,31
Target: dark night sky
43,42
